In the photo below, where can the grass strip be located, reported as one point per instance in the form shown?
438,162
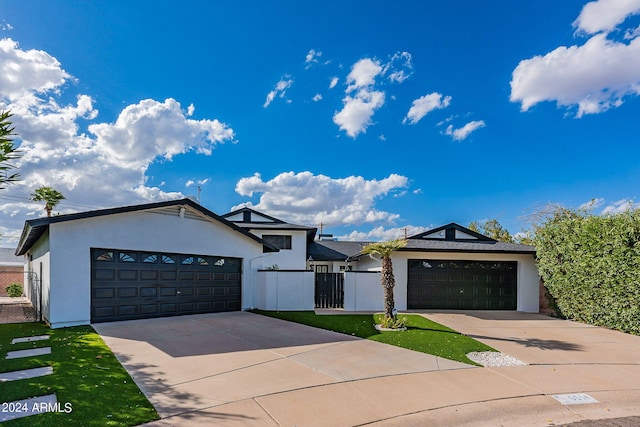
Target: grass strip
422,334
91,385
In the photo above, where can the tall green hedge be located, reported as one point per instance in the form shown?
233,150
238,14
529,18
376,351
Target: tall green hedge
590,264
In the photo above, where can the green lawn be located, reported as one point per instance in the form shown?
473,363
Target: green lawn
421,335
86,375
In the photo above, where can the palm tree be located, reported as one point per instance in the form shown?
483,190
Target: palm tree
49,195
384,250
8,150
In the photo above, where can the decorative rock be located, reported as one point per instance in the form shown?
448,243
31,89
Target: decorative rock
380,328
494,359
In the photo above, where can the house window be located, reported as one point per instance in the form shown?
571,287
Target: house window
279,241
322,268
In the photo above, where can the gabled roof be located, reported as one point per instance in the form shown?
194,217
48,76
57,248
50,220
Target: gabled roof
452,232
253,220
456,238
35,228
448,238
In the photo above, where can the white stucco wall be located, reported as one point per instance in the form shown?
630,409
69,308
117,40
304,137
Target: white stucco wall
363,292
284,290
38,263
70,261
528,279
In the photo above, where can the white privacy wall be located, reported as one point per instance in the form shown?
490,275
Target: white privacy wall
70,260
284,290
363,291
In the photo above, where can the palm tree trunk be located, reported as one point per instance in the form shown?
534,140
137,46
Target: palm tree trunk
388,283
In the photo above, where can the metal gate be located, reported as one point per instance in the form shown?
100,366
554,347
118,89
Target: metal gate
329,290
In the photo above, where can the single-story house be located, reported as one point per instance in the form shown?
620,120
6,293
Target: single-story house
177,257
11,270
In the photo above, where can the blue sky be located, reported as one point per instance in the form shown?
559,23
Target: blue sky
366,116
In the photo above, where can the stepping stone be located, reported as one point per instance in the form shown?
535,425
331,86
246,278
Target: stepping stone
30,339
26,353
27,407
26,373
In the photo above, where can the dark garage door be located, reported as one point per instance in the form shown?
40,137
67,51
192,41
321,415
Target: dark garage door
474,285
136,285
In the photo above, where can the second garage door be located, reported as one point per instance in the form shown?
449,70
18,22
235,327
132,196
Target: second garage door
474,285
129,285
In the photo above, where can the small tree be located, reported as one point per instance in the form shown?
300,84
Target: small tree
492,228
49,195
8,151
384,250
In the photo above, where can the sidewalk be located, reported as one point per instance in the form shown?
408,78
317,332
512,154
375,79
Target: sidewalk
16,310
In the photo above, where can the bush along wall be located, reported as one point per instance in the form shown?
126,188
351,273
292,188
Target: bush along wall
590,264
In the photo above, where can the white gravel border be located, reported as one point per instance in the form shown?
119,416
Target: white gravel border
493,359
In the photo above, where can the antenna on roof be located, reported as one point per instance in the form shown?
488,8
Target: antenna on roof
199,191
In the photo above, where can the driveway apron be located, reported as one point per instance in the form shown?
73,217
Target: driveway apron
244,369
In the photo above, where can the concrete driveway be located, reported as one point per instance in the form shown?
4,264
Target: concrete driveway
245,369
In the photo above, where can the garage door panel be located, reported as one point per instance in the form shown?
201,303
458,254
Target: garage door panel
480,285
131,285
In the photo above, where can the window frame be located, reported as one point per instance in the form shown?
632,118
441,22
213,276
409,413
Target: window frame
280,241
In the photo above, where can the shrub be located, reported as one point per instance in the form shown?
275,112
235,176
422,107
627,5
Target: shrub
590,265
14,290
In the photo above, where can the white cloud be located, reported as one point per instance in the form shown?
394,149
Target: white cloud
355,116
399,68
593,77
605,15
104,167
280,90
311,199
152,129
363,74
317,97
424,105
592,204
28,71
191,183
620,206
362,97
334,82
380,234
312,58
463,132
